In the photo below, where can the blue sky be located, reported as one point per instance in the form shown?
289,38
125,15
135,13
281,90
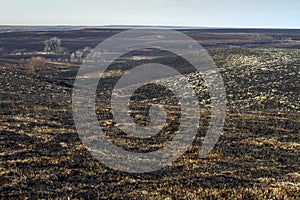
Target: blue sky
211,13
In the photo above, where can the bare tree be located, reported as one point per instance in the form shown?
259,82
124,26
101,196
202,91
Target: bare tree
53,45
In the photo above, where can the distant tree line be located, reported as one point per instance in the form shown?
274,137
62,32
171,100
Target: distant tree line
54,45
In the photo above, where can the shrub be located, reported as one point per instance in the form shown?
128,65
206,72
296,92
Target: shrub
36,64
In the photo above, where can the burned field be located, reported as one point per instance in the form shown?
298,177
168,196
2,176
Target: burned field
256,157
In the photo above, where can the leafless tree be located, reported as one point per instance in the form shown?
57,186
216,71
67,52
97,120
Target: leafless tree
53,45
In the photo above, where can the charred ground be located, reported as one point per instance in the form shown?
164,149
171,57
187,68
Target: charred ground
256,157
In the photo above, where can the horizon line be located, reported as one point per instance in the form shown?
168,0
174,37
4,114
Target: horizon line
150,25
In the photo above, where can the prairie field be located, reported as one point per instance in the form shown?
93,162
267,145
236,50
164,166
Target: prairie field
257,155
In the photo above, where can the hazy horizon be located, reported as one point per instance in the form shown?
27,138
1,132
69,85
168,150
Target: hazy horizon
190,13
133,25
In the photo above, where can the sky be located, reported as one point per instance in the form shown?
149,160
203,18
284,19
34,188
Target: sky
205,13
